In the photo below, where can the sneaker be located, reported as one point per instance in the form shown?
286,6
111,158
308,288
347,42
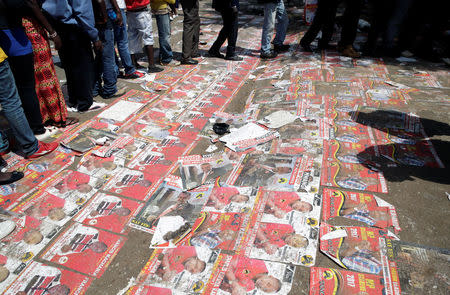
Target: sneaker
49,131
6,227
94,107
189,61
43,149
72,109
349,51
281,48
212,53
172,63
267,55
155,69
135,75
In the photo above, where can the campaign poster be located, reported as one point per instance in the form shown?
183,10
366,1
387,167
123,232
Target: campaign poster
349,173
138,96
133,149
48,208
39,278
108,212
238,274
84,249
231,199
275,172
100,167
120,111
184,269
295,146
151,162
311,130
342,282
170,200
22,239
132,184
73,186
197,170
354,248
363,207
145,289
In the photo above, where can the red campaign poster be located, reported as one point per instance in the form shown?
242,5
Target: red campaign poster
149,290
349,174
297,146
133,184
151,162
73,186
184,269
191,124
384,96
362,207
164,110
100,167
242,275
206,105
173,147
146,129
39,278
231,199
84,249
138,96
216,230
133,149
22,239
108,212
346,133
49,208
343,282
353,247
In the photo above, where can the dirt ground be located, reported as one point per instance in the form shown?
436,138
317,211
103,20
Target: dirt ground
420,196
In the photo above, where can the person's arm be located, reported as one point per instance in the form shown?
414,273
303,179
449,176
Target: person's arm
118,20
37,13
84,15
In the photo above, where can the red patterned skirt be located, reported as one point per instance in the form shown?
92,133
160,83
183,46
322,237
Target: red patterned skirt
51,99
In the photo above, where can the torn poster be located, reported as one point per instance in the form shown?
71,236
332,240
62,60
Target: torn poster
169,200
278,119
419,269
196,170
248,136
341,282
363,207
120,111
40,277
107,212
354,248
100,167
84,249
242,275
184,269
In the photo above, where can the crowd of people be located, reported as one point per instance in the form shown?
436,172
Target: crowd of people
86,32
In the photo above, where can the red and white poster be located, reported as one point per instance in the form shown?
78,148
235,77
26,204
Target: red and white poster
84,249
231,199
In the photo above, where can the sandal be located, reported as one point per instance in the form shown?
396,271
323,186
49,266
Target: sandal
13,177
69,121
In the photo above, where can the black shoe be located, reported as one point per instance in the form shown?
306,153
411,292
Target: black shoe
155,69
281,48
234,58
267,55
13,177
215,54
306,47
195,55
189,61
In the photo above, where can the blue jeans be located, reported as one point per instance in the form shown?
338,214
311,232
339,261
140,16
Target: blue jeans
106,64
12,110
272,11
165,51
121,38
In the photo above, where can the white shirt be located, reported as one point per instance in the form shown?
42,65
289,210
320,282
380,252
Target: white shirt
120,3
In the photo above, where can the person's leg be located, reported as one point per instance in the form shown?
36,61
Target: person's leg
134,37
12,110
316,25
282,24
121,38
108,61
165,50
196,31
23,70
329,16
144,22
401,8
222,37
350,22
97,88
268,25
232,23
188,27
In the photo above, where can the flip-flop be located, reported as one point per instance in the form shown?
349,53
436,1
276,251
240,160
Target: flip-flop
69,121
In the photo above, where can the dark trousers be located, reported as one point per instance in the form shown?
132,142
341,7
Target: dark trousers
228,32
22,68
78,61
350,22
191,28
381,11
323,21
